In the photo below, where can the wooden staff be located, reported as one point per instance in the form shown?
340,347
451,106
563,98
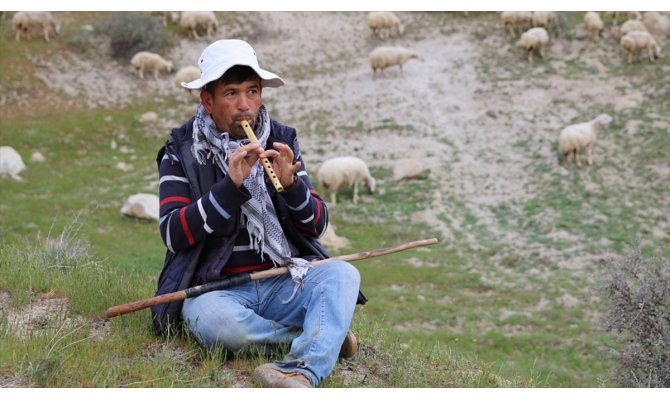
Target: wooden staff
254,276
266,163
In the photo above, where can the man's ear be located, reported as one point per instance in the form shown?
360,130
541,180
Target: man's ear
207,100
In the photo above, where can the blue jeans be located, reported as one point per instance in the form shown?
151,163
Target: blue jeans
252,316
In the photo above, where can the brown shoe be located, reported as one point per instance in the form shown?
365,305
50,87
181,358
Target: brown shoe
349,346
269,377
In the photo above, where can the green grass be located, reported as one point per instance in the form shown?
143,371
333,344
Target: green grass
73,348
79,175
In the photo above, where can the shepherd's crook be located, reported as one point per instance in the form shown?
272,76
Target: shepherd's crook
254,276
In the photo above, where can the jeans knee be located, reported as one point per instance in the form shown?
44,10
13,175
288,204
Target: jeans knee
215,333
215,326
352,275
346,273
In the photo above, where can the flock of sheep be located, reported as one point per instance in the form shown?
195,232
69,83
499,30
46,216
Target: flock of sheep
637,34
31,24
385,24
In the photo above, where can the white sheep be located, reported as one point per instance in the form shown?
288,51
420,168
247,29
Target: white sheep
510,19
29,22
193,20
632,25
186,74
384,24
657,24
635,41
173,16
145,61
11,163
345,171
532,40
594,25
544,19
582,136
387,56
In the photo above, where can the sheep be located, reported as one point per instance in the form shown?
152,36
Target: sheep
173,16
534,39
11,163
192,20
632,25
582,136
28,22
186,74
544,19
510,19
636,41
145,61
657,24
387,56
384,24
338,172
594,25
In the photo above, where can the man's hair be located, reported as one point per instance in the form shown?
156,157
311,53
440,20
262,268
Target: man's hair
235,74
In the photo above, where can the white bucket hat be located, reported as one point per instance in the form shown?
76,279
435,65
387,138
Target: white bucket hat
219,56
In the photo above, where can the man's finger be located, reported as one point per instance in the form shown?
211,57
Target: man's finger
269,154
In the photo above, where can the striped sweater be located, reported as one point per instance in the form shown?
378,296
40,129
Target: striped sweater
185,221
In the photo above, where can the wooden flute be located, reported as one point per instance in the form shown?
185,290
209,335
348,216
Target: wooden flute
266,163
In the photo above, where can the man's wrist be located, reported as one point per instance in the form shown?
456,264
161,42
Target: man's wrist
293,183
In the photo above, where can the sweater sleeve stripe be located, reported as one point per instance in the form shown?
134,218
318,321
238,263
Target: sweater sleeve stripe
303,204
172,178
319,206
218,207
184,224
166,157
175,199
203,214
168,240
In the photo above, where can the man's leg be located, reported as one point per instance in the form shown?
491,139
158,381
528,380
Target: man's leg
323,308
227,318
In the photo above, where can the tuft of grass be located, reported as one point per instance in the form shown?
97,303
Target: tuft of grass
67,250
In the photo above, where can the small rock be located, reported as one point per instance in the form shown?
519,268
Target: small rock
37,157
407,168
142,205
149,117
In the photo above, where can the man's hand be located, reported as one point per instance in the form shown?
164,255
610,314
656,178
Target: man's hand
283,164
241,161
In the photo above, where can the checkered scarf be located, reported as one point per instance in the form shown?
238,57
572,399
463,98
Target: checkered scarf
265,232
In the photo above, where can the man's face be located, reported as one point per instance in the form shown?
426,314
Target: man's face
232,103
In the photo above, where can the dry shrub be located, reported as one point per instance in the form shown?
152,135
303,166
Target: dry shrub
130,32
638,294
